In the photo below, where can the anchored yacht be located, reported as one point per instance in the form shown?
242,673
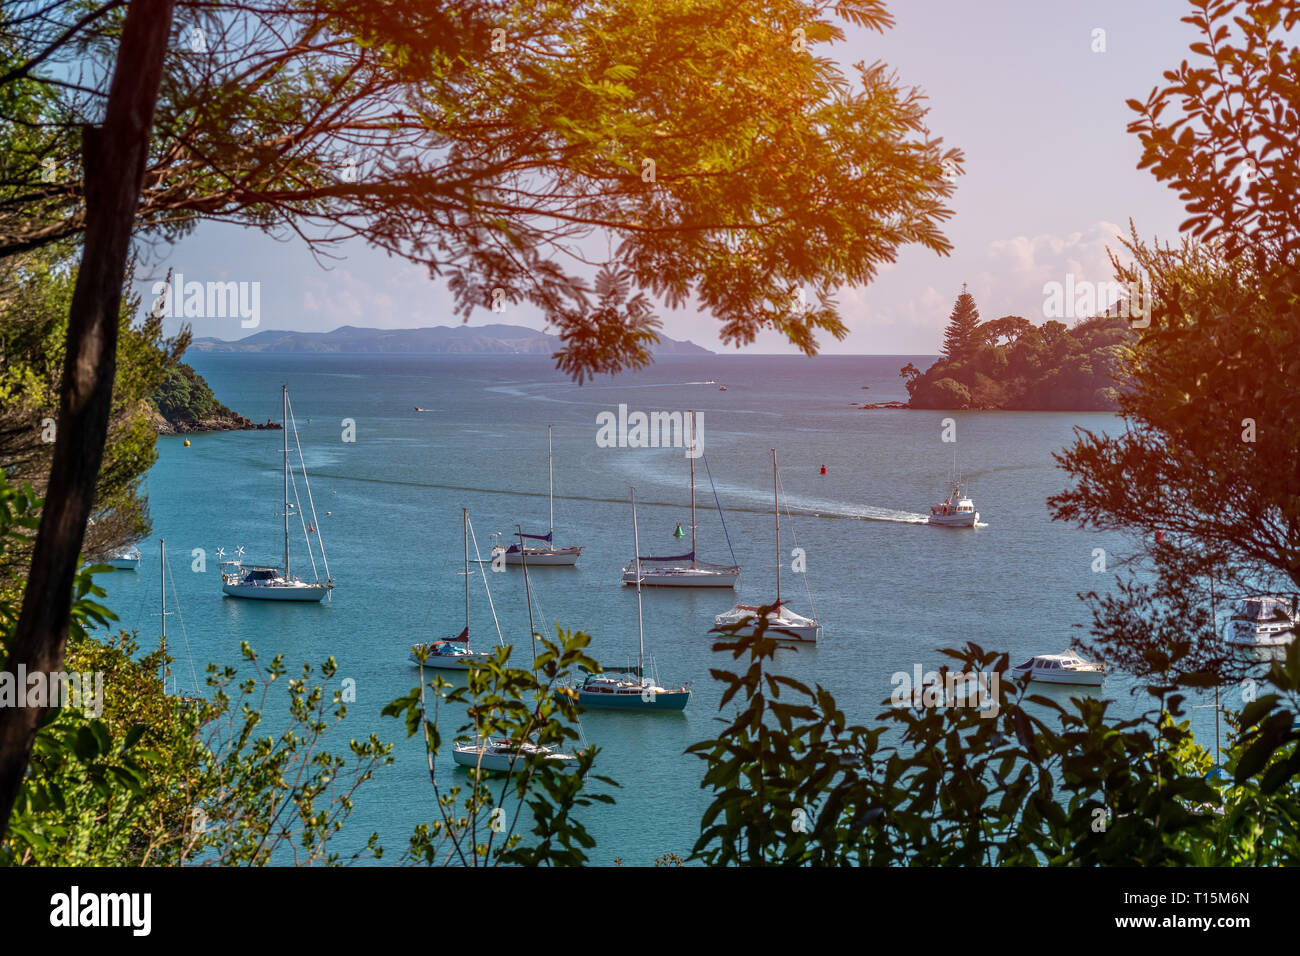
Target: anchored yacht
1265,620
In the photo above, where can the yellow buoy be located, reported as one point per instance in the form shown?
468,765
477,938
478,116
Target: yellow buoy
187,443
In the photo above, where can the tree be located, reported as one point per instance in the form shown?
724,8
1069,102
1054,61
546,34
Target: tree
1211,422
960,336
113,155
484,141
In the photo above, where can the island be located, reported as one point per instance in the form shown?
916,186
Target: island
438,339
1010,363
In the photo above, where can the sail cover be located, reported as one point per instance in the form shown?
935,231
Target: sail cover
538,537
676,557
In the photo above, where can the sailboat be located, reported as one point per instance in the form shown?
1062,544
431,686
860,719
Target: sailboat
548,555
269,583
682,570
633,690
782,623
453,653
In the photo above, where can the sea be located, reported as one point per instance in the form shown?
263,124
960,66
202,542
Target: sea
389,483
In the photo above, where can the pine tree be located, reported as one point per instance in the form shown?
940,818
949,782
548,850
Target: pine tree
965,319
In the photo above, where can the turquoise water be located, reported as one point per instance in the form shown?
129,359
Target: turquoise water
889,590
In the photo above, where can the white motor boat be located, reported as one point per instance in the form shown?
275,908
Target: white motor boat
125,560
1063,668
269,583
682,570
782,623
958,511
507,756
1265,620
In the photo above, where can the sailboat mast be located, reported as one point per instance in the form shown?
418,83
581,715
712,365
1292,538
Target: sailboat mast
690,444
550,482
284,389
162,577
776,514
528,593
464,530
640,623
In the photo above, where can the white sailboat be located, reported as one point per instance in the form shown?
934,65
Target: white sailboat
547,555
128,559
453,653
782,623
634,690
270,583
682,570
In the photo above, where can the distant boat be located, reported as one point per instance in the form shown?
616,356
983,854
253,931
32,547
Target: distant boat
722,388
127,559
549,555
419,409
453,653
506,756
1063,668
710,382
633,690
682,570
1265,620
782,623
956,512
269,583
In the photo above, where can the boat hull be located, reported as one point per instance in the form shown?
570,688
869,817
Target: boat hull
446,662
313,593
544,557
495,762
1246,635
123,564
634,700
682,578
955,521
1073,678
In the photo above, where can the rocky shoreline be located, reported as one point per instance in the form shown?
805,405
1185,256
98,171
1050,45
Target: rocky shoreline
234,422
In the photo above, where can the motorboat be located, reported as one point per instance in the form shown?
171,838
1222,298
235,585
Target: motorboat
1064,668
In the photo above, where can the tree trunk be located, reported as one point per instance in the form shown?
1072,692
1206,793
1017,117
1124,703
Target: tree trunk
113,156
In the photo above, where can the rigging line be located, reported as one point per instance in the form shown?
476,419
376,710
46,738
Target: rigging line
293,482
310,501
794,535
720,514
184,633
473,537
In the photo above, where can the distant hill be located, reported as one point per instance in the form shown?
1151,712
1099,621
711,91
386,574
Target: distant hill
452,339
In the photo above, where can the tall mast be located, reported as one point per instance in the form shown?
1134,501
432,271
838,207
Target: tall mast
162,577
464,516
284,389
550,476
776,513
640,624
690,444
528,594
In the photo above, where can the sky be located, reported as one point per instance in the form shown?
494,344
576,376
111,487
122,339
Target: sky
1023,87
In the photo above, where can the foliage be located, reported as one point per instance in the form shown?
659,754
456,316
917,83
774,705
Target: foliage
502,702
1011,363
961,336
713,149
35,295
184,396
1030,783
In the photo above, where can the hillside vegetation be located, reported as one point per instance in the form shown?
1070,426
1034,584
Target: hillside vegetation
1010,363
